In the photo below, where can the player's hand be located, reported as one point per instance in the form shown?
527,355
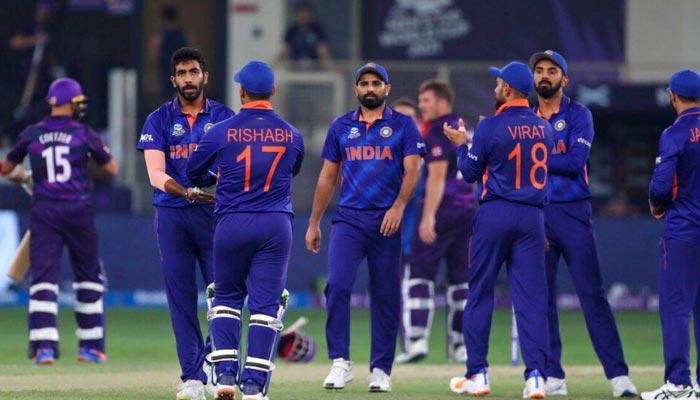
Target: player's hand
194,195
392,220
426,230
313,239
657,212
457,136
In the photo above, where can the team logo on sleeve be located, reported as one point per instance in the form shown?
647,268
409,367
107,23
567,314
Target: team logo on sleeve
178,130
560,125
385,132
208,126
354,133
436,151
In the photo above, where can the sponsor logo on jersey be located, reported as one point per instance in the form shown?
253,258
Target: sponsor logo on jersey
420,145
208,126
584,141
385,132
146,137
472,156
354,133
560,125
178,130
658,160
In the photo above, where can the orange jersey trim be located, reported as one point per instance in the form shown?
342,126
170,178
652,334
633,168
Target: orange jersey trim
513,103
191,119
258,105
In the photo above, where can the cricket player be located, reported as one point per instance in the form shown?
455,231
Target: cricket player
184,219
59,147
379,151
446,209
674,195
569,227
509,158
256,153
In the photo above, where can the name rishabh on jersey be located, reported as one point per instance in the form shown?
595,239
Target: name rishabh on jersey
371,156
257,153
176,134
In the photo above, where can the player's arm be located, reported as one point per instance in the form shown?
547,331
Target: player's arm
661,194
199,162
324,190
434,191
471,160
10,166
572,162
155,165
393,216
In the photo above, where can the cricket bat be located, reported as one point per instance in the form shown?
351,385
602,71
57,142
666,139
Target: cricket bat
20,264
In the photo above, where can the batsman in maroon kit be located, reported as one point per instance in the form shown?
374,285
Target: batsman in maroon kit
59,148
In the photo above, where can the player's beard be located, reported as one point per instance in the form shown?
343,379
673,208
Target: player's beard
192,96
547,91
371,102
500,99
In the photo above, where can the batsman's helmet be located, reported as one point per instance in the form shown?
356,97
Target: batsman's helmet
64,91
296,347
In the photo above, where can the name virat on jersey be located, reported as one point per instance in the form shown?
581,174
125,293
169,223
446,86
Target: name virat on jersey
247,135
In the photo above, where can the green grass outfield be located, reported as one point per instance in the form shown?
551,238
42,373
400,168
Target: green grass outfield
142,362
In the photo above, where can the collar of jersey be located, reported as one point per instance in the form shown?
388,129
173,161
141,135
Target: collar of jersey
690,111
176,106
258,105
513,103
563,107
357,115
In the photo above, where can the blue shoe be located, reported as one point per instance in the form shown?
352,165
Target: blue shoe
44,356
91,355
252,391
226,386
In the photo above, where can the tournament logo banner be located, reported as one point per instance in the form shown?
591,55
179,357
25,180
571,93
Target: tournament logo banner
462,30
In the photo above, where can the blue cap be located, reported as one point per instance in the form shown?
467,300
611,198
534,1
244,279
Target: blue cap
256,77
372,67
64,91
685,83
552,56
517,75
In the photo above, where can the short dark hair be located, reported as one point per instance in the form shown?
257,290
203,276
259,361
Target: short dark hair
403,101
258,96
442,90
187,54
684,99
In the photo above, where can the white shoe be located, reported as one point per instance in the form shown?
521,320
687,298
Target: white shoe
341,373
623,387
379,381
475,385
459,355
191,389
555,387
669,391
209,387
416,351
534,386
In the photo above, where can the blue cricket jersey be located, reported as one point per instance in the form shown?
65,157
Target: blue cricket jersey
257,153
509,156
371,156
168,129
569,164
675,183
